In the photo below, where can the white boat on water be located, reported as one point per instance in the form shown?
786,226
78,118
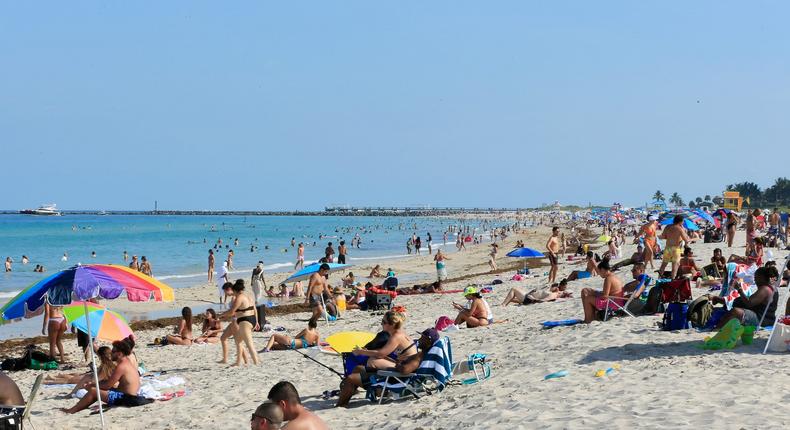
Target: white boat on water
102,212
47,210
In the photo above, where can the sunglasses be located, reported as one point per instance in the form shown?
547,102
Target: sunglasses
252,418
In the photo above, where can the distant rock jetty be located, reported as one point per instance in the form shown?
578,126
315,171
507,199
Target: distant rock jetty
328,211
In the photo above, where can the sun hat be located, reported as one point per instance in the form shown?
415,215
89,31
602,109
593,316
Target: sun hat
470,290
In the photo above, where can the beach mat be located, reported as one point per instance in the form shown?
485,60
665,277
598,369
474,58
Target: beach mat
560,323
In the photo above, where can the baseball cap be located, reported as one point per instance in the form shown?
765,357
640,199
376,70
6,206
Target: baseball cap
431,334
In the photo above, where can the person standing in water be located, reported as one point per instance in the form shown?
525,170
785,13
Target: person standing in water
125,256
430,242
134,265
341,252
145,266
210,266
299,257
230,260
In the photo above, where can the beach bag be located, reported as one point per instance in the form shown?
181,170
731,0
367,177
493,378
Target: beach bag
443,322
676,317
700,311
261,316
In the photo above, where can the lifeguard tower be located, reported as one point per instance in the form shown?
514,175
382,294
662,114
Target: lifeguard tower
733,200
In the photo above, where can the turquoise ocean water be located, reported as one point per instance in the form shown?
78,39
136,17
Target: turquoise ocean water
175,244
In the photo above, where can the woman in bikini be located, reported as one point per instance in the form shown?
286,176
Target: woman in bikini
246,315
106,367
588,271
212,328
54,327
687,265
719,261
398,348
183,331
476,313
305,338
648,233
230,329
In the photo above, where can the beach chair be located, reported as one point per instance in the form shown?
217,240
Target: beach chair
613,306
434,373
14,420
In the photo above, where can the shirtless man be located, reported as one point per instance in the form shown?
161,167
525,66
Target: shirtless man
341,252
675,235
553,248
230,260
316,287
125,375
592,300
299,257
285,395
210,266
329,252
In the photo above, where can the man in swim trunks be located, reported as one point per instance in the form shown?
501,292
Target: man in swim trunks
594,300
125,375
553,248
317,286
675,235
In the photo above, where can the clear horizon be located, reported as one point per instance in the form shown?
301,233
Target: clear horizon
271,106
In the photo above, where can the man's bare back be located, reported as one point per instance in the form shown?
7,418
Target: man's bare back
674,235
306,420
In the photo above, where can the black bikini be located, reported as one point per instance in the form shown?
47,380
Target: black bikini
249,318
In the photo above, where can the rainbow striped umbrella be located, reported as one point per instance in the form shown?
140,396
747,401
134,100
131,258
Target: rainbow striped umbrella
104,324
105,281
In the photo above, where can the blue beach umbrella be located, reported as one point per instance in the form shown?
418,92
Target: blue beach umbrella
306,272
687,223
525,253
704,215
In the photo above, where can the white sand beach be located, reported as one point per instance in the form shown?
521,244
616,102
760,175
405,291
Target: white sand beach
664,379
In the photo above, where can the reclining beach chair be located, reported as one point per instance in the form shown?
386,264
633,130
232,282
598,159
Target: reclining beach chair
612,302
434,374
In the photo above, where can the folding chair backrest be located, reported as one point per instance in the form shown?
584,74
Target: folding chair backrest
32,398
775,295
678,290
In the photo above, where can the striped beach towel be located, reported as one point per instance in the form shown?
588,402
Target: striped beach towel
436,366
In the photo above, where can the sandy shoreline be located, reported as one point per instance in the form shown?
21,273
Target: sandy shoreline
664,379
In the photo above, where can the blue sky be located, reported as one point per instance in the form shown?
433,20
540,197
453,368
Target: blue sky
264,105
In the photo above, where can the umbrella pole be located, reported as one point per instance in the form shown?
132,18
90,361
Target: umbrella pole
321,364
323,305
93,361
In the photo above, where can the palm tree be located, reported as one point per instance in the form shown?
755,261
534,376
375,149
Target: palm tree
658,196
698,200
676,200
707,197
